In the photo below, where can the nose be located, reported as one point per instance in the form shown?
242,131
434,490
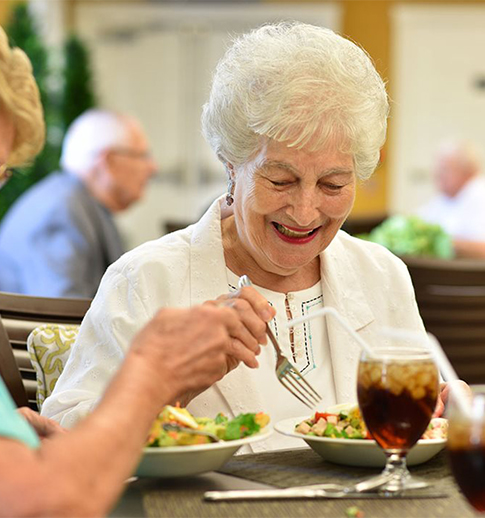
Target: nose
305,207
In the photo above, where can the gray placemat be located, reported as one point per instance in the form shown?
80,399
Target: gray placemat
284,469
303,467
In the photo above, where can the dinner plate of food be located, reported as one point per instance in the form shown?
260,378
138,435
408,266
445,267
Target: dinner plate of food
180,444
339,435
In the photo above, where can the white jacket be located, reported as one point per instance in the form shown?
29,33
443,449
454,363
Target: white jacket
368,285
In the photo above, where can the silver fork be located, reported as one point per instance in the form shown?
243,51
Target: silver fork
288,375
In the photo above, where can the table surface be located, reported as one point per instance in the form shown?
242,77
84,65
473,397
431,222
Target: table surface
156,497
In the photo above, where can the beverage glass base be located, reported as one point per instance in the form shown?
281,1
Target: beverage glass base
397,485
397,476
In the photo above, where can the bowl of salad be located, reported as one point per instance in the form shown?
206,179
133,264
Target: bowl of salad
339,435
176,448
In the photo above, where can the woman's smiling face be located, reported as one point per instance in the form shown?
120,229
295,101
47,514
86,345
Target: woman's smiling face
290,203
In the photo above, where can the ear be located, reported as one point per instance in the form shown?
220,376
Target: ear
103,160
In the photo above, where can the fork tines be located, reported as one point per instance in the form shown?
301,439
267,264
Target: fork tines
293,381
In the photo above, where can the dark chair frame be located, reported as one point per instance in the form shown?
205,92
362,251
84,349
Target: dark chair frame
19,315
451,299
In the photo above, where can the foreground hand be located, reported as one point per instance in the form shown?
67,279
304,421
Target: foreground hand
445,393
188,350
254,312
44,427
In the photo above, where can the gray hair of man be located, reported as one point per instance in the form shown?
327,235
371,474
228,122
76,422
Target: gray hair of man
464,152
299,84
92,133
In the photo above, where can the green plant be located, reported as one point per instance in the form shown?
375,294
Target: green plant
409,235
78,95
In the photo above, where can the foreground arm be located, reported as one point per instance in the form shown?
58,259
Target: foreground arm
179,350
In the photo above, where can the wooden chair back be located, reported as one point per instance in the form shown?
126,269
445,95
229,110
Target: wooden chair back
451,300
19,315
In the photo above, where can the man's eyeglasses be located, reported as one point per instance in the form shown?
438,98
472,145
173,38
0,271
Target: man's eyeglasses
141,155
5,174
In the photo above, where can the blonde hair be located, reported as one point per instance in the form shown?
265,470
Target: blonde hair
19,95
299,84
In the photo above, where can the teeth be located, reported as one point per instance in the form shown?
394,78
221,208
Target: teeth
292,233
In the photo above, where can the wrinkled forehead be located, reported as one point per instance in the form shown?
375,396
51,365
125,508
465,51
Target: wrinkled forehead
331,156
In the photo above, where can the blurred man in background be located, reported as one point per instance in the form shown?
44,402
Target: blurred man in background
460,205
58,239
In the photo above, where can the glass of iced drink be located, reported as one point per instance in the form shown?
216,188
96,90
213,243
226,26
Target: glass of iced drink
466,444
397,389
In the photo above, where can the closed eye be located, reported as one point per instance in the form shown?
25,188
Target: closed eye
280,184
334,187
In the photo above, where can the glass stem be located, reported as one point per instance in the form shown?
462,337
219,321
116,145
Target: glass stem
397,469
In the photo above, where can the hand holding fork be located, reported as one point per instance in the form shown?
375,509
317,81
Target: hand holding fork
287,374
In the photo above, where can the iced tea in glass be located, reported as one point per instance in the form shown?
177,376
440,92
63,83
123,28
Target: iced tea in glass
397,390
466,444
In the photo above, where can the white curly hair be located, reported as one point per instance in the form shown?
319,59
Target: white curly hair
299,84
19,95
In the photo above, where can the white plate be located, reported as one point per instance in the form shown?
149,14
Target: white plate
181,461
357,452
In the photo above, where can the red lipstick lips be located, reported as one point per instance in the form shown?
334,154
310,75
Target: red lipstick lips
289,234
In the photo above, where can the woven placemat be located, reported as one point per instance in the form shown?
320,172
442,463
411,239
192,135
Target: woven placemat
284,469
303,467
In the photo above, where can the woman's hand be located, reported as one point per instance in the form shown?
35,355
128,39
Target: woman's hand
44,427
445,393
254,312
193,348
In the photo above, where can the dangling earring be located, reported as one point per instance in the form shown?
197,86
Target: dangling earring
230,192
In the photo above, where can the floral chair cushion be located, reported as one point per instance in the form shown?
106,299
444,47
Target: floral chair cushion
49,347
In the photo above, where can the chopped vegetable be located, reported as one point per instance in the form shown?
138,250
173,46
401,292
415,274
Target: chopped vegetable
354,512
241,426
348,424
437,429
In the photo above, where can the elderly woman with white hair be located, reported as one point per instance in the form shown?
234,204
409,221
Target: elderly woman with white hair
297,116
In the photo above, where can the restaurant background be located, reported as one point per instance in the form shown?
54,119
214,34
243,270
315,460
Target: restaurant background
153,59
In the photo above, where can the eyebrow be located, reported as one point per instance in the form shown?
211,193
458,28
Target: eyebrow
291,169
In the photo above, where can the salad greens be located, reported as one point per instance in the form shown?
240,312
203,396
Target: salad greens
409,235
226,429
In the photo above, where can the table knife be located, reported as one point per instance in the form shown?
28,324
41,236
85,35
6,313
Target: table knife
299,493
